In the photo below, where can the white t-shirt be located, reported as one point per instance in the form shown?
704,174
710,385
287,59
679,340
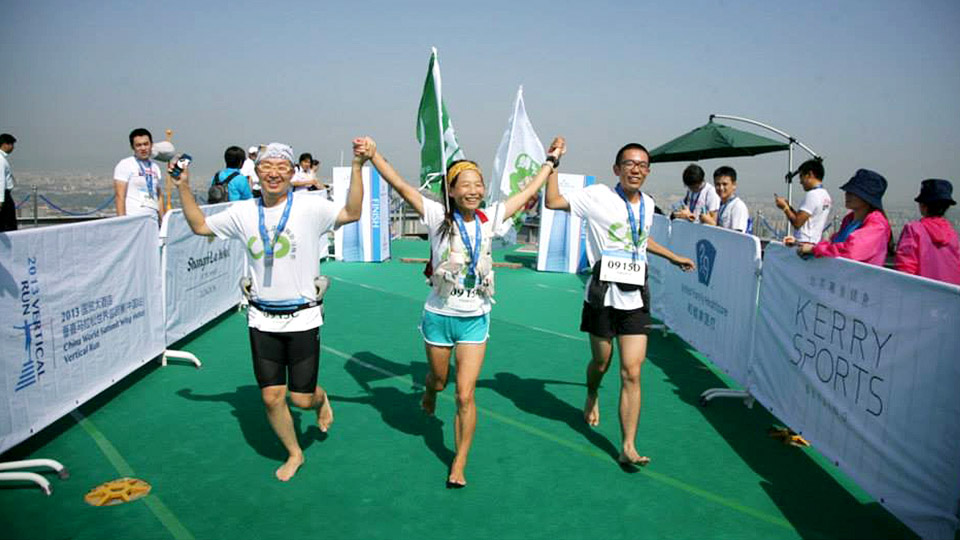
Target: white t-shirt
433,217
296,261
817,203
301,176
733,215
140,201
705,200
608,228
249,169
6,174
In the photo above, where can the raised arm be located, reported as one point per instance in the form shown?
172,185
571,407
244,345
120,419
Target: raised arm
368,147
557,148
354,208
191,210
553,199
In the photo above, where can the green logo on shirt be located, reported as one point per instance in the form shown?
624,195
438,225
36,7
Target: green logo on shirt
281,249
620,233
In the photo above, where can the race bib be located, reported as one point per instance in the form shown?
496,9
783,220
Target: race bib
621,267
463,298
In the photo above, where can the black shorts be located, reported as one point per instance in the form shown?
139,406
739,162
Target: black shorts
277,353
609,322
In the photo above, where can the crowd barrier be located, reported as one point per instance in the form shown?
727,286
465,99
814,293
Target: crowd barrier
563,237
659,268
714,308
860,360
201,275
80,308
367,240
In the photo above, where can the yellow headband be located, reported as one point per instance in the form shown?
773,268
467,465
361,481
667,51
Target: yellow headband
460,167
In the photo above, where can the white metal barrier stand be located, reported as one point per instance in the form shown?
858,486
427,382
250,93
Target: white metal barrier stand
20,476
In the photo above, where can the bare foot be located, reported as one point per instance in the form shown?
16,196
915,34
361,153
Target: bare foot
324,414
429,401
591,410
288,469
631,457
457,480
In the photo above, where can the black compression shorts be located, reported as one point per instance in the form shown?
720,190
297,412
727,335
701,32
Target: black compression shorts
275,354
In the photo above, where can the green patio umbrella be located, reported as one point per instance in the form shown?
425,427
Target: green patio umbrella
713,140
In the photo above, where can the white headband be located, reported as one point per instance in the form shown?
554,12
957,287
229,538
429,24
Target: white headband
276,150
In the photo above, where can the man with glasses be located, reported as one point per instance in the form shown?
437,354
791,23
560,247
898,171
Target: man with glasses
281,233
618,223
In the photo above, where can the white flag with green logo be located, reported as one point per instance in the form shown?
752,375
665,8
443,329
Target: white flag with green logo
518,159
438,141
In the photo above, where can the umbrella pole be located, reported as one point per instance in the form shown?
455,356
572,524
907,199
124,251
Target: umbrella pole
790,184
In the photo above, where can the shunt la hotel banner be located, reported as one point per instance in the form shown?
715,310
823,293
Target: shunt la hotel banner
201,274
80,308
863,362
367,240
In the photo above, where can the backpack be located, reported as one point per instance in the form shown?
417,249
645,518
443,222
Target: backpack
218,192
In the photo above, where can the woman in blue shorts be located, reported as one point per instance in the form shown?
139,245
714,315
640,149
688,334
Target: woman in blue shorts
456,315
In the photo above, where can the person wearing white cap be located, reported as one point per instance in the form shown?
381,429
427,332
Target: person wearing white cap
249,169
285,291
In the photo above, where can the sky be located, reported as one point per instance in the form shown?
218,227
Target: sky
872,84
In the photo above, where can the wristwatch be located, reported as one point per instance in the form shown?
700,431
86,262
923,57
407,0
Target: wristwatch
554,161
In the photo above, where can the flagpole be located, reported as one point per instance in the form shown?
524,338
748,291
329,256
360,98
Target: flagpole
438,93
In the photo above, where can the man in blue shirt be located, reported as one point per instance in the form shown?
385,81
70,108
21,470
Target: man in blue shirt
238,187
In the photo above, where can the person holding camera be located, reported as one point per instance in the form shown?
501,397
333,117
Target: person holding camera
285,292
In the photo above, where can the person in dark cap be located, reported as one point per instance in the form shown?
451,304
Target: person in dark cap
929,247
865,231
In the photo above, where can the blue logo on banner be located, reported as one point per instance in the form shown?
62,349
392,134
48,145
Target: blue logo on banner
706,254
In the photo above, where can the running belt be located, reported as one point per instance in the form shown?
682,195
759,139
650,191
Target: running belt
283,307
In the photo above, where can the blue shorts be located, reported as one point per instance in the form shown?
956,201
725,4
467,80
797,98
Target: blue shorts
446,330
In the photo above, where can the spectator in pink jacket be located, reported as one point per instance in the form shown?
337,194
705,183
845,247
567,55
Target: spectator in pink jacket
864,232
929,247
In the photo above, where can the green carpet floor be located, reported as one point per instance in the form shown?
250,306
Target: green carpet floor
201,439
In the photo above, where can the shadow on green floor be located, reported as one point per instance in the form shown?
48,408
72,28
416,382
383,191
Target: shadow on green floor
251,416
792,478
531,396
400,410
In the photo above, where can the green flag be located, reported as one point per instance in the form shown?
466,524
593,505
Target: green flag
438,141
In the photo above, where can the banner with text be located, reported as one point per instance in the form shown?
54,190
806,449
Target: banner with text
201,275
80,308
714,308
659,269
367,240
563,237
862,361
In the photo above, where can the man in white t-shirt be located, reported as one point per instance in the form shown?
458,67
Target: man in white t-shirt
282,235
137,181
249,169
733,213
810,220
618,224
701,200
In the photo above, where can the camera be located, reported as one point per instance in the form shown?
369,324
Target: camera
180,165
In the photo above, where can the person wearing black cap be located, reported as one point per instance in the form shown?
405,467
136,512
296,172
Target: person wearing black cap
929,247
865,231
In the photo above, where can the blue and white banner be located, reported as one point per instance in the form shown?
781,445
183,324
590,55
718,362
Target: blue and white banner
367,240
862,361
660,270
715,308
563,236
201,275
80,308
